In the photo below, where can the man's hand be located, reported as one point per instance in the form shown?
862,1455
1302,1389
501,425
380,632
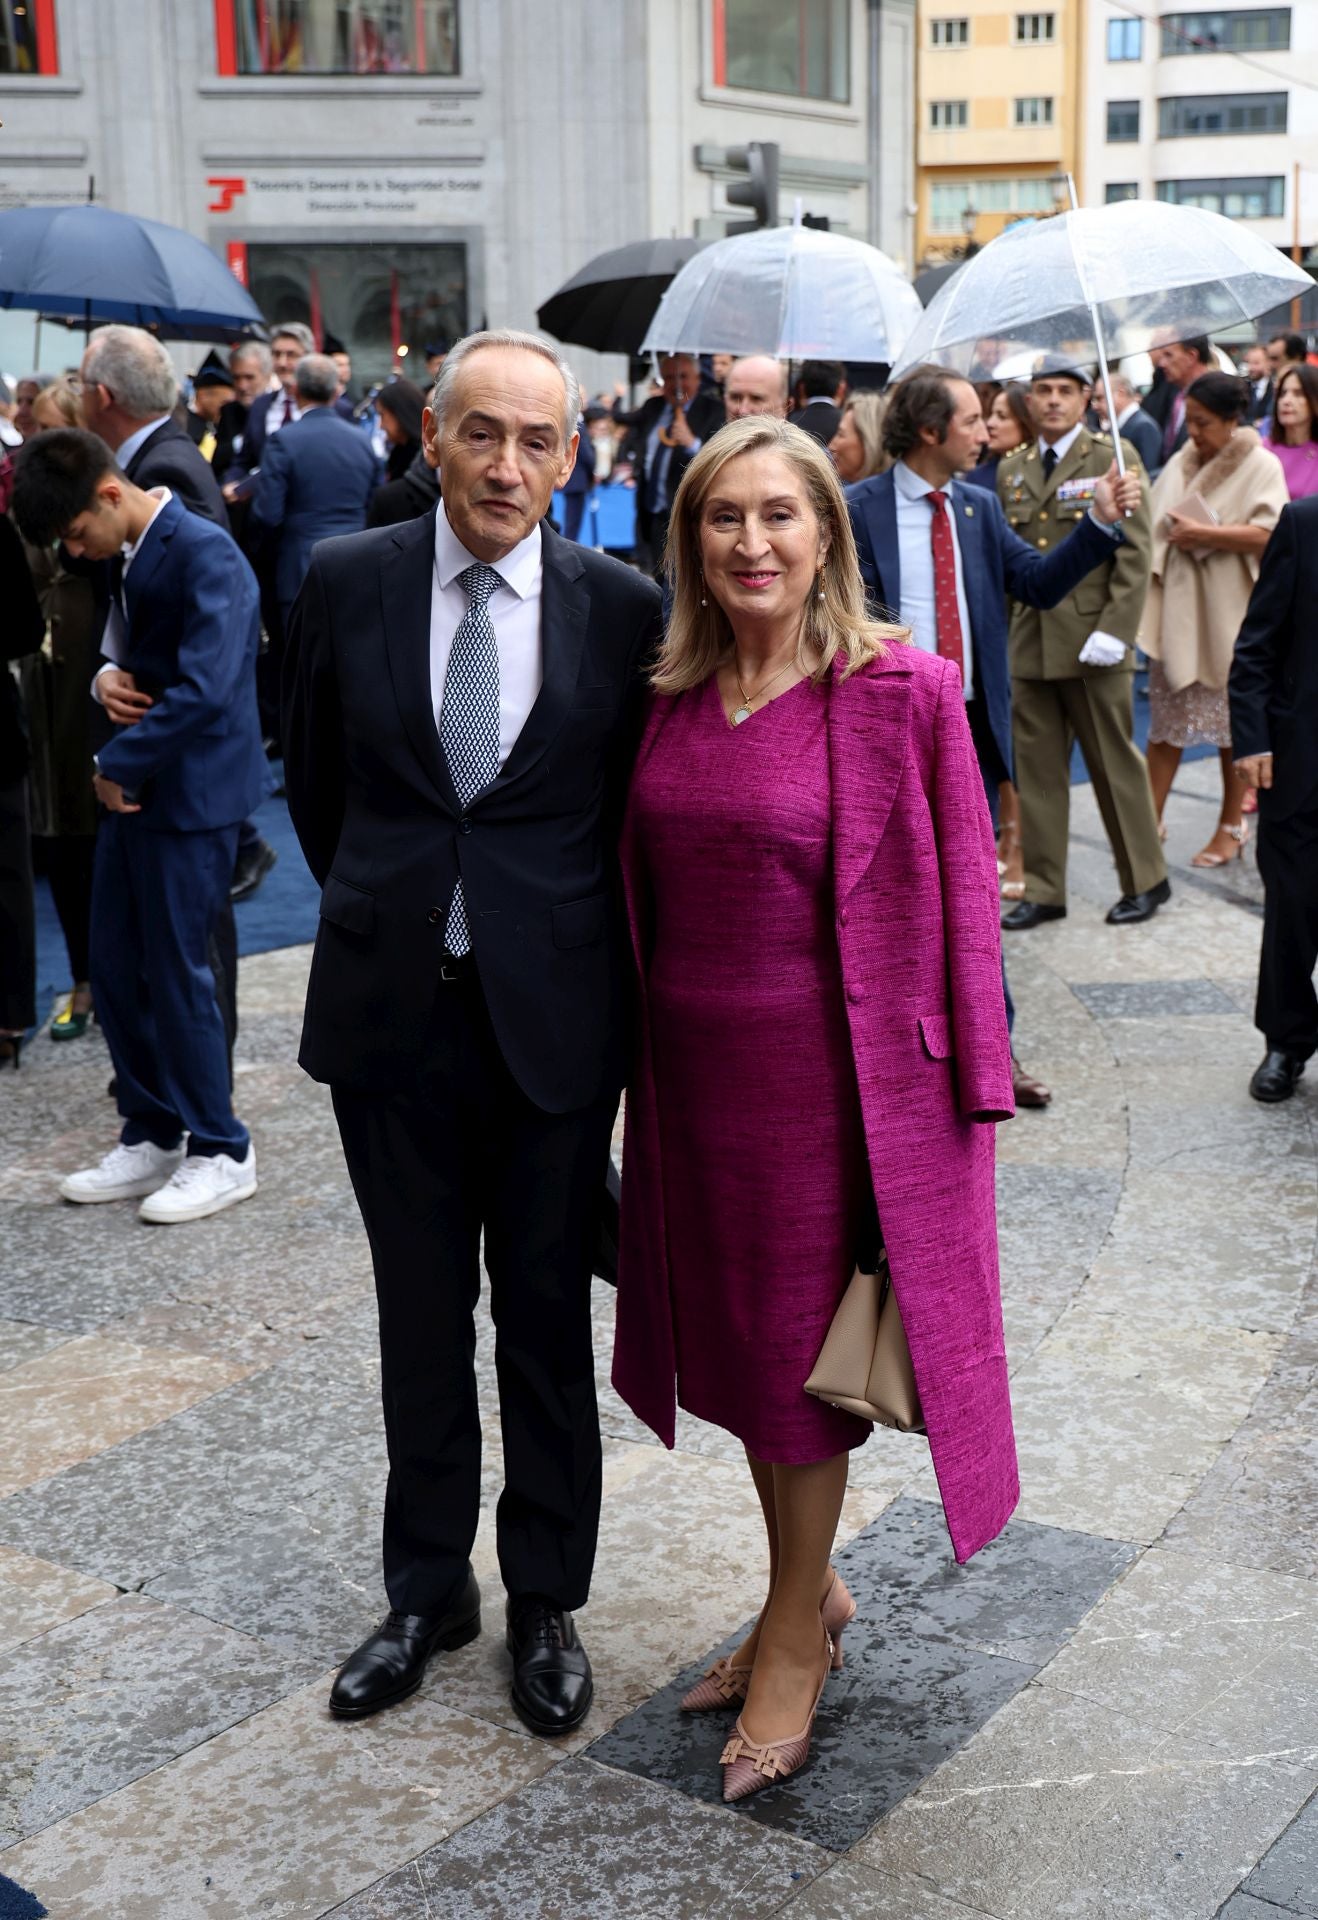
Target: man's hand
1116,495
1255,770
230,490
678,433
111,795
120,696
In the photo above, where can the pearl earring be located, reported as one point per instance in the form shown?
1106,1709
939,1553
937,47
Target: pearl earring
820,578
703,601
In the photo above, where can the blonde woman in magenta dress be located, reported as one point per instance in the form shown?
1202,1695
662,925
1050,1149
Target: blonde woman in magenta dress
812,892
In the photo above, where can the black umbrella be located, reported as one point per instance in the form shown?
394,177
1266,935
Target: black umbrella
609,303
928,283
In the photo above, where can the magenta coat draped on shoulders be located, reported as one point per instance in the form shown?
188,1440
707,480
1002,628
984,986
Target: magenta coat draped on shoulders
916,921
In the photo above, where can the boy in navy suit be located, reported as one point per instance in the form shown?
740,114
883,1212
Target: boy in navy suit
184,767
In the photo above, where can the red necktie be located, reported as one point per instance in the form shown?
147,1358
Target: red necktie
946,612
288,410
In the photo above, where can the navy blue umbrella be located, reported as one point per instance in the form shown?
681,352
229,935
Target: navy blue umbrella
87,265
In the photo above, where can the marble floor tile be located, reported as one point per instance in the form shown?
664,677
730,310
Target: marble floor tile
1172,1842
850,1891
1153,999
290,1808
1052,1221
21,1341
1074,1132
1287,1875
165,1495
105,1698
86,1395
1258,1505
1007,1811
1178,1633
36,1596
1117,1420
645,1853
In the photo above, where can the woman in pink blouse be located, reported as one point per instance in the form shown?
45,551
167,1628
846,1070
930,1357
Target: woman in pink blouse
1295,429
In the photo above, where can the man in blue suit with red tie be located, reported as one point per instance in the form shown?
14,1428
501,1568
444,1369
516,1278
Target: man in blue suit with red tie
184,767
939,556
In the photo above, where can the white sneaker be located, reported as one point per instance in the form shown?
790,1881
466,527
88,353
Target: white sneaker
205,1183
126,1173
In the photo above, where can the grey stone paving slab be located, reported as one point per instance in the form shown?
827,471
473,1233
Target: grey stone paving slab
284,1816
35,1596
850,1891
21,1341
1242,1906
162,1497
1287,1875
587,1840
1152,999
102,1700
1051,1224
933,1653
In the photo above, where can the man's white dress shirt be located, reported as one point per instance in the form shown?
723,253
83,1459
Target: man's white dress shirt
514,610
915,552
284,410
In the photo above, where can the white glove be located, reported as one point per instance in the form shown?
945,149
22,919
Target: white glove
1102,650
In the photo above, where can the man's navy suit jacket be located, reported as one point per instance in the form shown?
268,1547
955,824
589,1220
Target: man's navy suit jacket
317,478
251,452
995,562
194,760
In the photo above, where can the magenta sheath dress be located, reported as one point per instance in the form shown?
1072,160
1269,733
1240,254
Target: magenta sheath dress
760,1136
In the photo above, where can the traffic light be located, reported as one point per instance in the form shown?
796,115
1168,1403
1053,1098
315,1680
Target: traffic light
820,221
759,191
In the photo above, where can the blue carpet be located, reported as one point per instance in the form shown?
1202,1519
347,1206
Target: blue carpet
16,1903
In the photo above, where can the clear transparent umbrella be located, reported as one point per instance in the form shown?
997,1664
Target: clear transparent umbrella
791,291
1096,278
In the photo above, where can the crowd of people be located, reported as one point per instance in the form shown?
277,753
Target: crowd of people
717,826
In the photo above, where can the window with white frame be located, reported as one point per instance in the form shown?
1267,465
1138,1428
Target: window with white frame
1036,27
1034,110
944,114
950,32
1125,39
1014,199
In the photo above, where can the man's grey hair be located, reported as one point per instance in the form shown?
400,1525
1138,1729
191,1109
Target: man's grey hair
294,330
317,378
251,350
136,368
1121,383
507,337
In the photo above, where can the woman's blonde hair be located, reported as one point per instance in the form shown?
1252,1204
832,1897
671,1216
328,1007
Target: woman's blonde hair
835,618
67,398
867,410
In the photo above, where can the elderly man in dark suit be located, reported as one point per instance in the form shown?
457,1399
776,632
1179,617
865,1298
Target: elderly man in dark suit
316,480
941,558
129,393
462,703
1273,691
271,411
183,768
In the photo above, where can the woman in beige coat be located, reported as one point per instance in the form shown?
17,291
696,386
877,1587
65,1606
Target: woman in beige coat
1214,507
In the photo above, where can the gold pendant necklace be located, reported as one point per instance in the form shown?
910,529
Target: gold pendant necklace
743,712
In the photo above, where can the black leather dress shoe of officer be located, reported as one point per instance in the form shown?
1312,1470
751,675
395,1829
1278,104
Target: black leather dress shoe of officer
552,1685
1030,913
392,1662
1133,907
1276,1076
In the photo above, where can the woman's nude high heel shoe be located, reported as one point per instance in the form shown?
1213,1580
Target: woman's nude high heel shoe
749,1765
837,1612
725,1684
1207,857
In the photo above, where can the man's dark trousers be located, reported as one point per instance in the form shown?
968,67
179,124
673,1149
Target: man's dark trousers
428,1166
1286,1008
156,899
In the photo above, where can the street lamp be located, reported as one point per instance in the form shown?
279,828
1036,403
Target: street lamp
969,221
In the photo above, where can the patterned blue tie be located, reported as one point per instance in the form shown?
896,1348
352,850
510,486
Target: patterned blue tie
469,716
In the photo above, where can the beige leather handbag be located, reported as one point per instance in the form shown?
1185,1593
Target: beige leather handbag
864,1365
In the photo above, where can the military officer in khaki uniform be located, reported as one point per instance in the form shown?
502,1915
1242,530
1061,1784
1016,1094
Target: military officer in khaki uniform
1072,669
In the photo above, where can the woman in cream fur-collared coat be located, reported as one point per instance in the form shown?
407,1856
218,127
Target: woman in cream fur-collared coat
1203,574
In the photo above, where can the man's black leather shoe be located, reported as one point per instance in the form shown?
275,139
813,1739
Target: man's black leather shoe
1030,913
250,869
1276,1076
392,1662
552,1685
1133,907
